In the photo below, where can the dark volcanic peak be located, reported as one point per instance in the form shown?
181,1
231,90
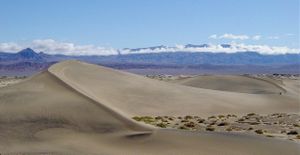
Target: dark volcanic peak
28,53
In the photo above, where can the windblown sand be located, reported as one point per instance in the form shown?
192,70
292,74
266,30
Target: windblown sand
79,108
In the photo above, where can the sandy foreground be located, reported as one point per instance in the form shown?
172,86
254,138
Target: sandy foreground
79,108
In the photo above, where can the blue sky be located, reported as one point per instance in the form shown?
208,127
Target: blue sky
141,23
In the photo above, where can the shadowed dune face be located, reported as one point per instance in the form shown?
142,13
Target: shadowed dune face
47,101
78,108
232,83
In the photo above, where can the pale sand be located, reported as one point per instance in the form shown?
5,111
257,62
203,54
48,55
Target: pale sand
233,83
79,108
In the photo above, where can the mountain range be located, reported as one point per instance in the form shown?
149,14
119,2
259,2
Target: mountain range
27,61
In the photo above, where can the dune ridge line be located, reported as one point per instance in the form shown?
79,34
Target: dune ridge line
127,121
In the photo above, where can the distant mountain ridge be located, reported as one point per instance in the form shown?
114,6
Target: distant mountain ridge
25,55
28,59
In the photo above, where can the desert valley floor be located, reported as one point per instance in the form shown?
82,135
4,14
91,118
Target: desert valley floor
79,108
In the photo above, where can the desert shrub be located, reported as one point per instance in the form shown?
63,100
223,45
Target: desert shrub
158,118
259,131
251,114
188,117
212,123
283,131
162,125
190,124
211,117
233,115
146,119
201,120
241,120
254,123
164,120
250,128
221,116
136,118
293,132
210,129
229,129
183,128
184,121
223,124
296,125
171,119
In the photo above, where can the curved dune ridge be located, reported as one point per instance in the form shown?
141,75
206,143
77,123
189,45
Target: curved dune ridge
233,83
79,108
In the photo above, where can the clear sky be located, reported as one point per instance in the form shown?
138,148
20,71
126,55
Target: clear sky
142,23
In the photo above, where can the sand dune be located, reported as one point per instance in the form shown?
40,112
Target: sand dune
79,108
137,95
233,83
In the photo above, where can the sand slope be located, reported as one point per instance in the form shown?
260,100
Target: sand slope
233,83
137,95
78,108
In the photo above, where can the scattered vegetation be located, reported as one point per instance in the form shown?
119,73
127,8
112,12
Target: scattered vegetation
146,119
252,123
